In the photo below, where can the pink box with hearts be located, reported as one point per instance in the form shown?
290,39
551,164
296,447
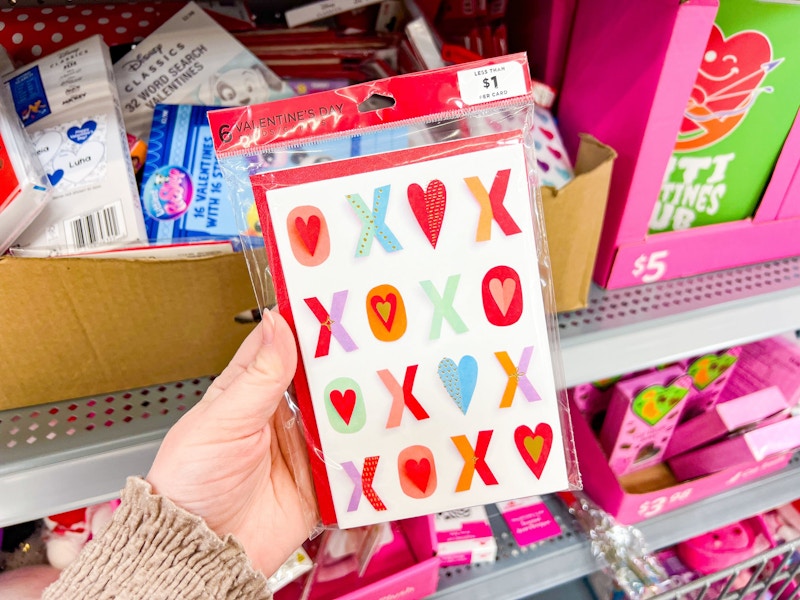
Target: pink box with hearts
642,415
747,448
710,374
663,43
726,418
653,491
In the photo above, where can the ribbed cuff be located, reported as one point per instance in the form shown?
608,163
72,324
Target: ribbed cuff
152,549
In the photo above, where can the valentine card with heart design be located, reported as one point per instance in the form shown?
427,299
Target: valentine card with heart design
411,280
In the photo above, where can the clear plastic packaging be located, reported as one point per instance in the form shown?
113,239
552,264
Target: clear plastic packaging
24,188
620,551
416,277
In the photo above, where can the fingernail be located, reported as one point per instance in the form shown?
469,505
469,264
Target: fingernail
267,327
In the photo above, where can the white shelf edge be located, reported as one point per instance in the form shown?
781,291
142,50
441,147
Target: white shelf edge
614,351
74,483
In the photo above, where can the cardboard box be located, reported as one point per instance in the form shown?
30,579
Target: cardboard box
573,218
75,327
653,491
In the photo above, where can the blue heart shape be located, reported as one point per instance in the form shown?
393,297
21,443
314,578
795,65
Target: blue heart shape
82,133
564,173
55,176
537,144
468,375
459,381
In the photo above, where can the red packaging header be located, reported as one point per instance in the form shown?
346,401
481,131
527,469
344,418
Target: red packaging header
428,94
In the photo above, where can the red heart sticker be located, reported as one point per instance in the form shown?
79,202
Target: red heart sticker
534,446
428,207
419,472
309,231
344,403
385,309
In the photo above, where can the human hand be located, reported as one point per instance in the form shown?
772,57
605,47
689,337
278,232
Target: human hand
231,461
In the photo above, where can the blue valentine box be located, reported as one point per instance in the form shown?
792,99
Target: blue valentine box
184,194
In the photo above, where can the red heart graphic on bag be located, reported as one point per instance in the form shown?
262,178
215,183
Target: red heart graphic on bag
309,232
728,83
534,446
344,403
428,207
419,472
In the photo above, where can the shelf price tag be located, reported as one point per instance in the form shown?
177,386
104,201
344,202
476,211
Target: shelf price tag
495,82
652,507
650,268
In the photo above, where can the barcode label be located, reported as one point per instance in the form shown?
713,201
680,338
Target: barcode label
101,226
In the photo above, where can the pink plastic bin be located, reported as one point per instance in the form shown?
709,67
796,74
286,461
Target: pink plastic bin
653,491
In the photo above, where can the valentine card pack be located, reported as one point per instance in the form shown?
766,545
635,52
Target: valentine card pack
24,188
738,115
184,195
190,59
417,284
68,103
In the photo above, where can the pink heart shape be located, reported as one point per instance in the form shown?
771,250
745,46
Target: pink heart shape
503,292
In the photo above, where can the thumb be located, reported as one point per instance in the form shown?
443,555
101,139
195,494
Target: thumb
252,385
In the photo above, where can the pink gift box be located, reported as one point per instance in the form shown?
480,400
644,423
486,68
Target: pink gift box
726,418
710,374
746,448
653,491
773,361
465,537
529,520
662,42
642,414
405,568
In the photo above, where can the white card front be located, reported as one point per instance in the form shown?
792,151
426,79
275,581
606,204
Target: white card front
416,298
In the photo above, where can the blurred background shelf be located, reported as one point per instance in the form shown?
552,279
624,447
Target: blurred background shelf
69,454
621,331
66,455
523,572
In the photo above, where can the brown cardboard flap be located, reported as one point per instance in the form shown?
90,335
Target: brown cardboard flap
74,327
651,479
573,219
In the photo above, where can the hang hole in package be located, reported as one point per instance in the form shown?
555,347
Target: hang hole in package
417,284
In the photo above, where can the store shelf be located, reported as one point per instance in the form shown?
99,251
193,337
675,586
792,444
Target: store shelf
69,454
66,455
627,330
522,572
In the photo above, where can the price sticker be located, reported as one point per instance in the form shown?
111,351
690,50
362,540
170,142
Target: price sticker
493,82
650,268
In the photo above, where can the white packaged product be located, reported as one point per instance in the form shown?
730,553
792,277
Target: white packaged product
68,103
191,59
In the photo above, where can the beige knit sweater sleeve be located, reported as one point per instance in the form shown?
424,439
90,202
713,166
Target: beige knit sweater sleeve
154,550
